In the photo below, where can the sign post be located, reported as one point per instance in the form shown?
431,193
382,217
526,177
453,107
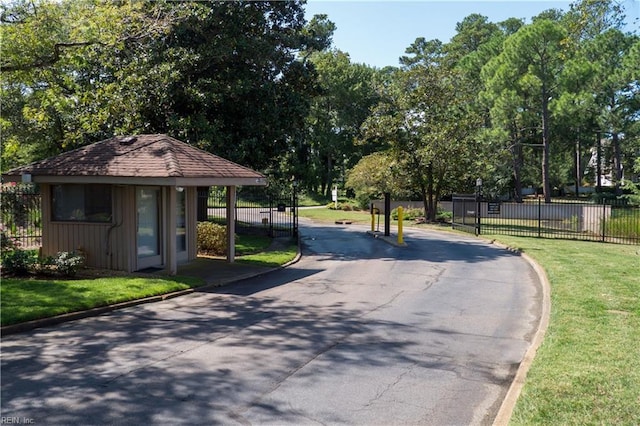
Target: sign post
334,196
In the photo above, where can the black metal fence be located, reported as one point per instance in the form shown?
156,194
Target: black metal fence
615,222
465,213
20,215
257,210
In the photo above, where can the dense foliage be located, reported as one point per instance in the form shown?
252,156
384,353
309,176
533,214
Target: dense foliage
223,76
518,104
211,239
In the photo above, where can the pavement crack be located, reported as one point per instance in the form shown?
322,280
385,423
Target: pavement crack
389,386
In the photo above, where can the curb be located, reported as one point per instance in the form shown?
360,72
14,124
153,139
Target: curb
510,399
72,316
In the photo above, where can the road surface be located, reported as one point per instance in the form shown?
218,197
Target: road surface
357,332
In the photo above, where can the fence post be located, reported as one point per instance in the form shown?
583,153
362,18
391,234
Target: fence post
539,218
479,216
604,221
271,232
400,220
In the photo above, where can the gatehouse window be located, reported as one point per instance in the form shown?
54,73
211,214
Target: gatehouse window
81,203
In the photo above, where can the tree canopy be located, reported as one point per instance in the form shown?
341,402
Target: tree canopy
515,103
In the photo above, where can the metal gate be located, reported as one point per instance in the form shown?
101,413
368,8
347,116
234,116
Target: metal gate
20,215
466,213
257,210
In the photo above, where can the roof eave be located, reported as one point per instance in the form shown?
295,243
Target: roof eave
258,180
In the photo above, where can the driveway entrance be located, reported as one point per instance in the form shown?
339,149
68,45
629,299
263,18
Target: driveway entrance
357,332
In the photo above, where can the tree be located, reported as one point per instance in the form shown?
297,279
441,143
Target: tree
424,123
600,90
53,67
615,95
527,74
476,44
344,102
588,18
474,32
235,83
376,174
224,76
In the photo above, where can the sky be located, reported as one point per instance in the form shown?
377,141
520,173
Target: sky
377,32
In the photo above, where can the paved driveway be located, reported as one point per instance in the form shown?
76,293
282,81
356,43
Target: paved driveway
357,332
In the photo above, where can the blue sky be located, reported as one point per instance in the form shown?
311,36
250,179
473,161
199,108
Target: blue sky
377,32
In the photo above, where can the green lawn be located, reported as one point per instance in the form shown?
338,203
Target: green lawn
251,244
24,299
271,258
29,299
328,215
587,370
263,251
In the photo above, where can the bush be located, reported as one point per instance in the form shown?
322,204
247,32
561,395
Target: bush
413,214
6,242
68,263
212,238
443,216
18,262
408,214
344,206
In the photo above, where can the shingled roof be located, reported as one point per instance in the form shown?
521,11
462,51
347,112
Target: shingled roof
154,159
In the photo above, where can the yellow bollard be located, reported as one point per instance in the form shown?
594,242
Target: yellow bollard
373,220
400,217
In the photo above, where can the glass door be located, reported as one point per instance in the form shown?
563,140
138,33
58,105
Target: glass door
148,227
181,225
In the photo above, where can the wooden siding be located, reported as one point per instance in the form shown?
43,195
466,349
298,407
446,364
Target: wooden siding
105,245
123,237
109,245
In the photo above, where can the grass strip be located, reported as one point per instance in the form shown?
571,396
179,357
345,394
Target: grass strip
29,299
251,244
271,258
329,215
586,370
26,299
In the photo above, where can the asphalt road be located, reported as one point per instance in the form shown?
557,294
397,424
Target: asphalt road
357,332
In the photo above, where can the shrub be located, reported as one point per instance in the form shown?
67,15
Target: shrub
6,241
344,206
212,238
18,262
413,214
408,214
68,263
443,216
623,224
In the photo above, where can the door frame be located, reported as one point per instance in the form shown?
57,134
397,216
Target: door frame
183,255
158,259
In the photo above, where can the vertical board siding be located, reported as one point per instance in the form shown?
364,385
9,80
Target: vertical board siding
86,237
105,245
109,245
122,238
